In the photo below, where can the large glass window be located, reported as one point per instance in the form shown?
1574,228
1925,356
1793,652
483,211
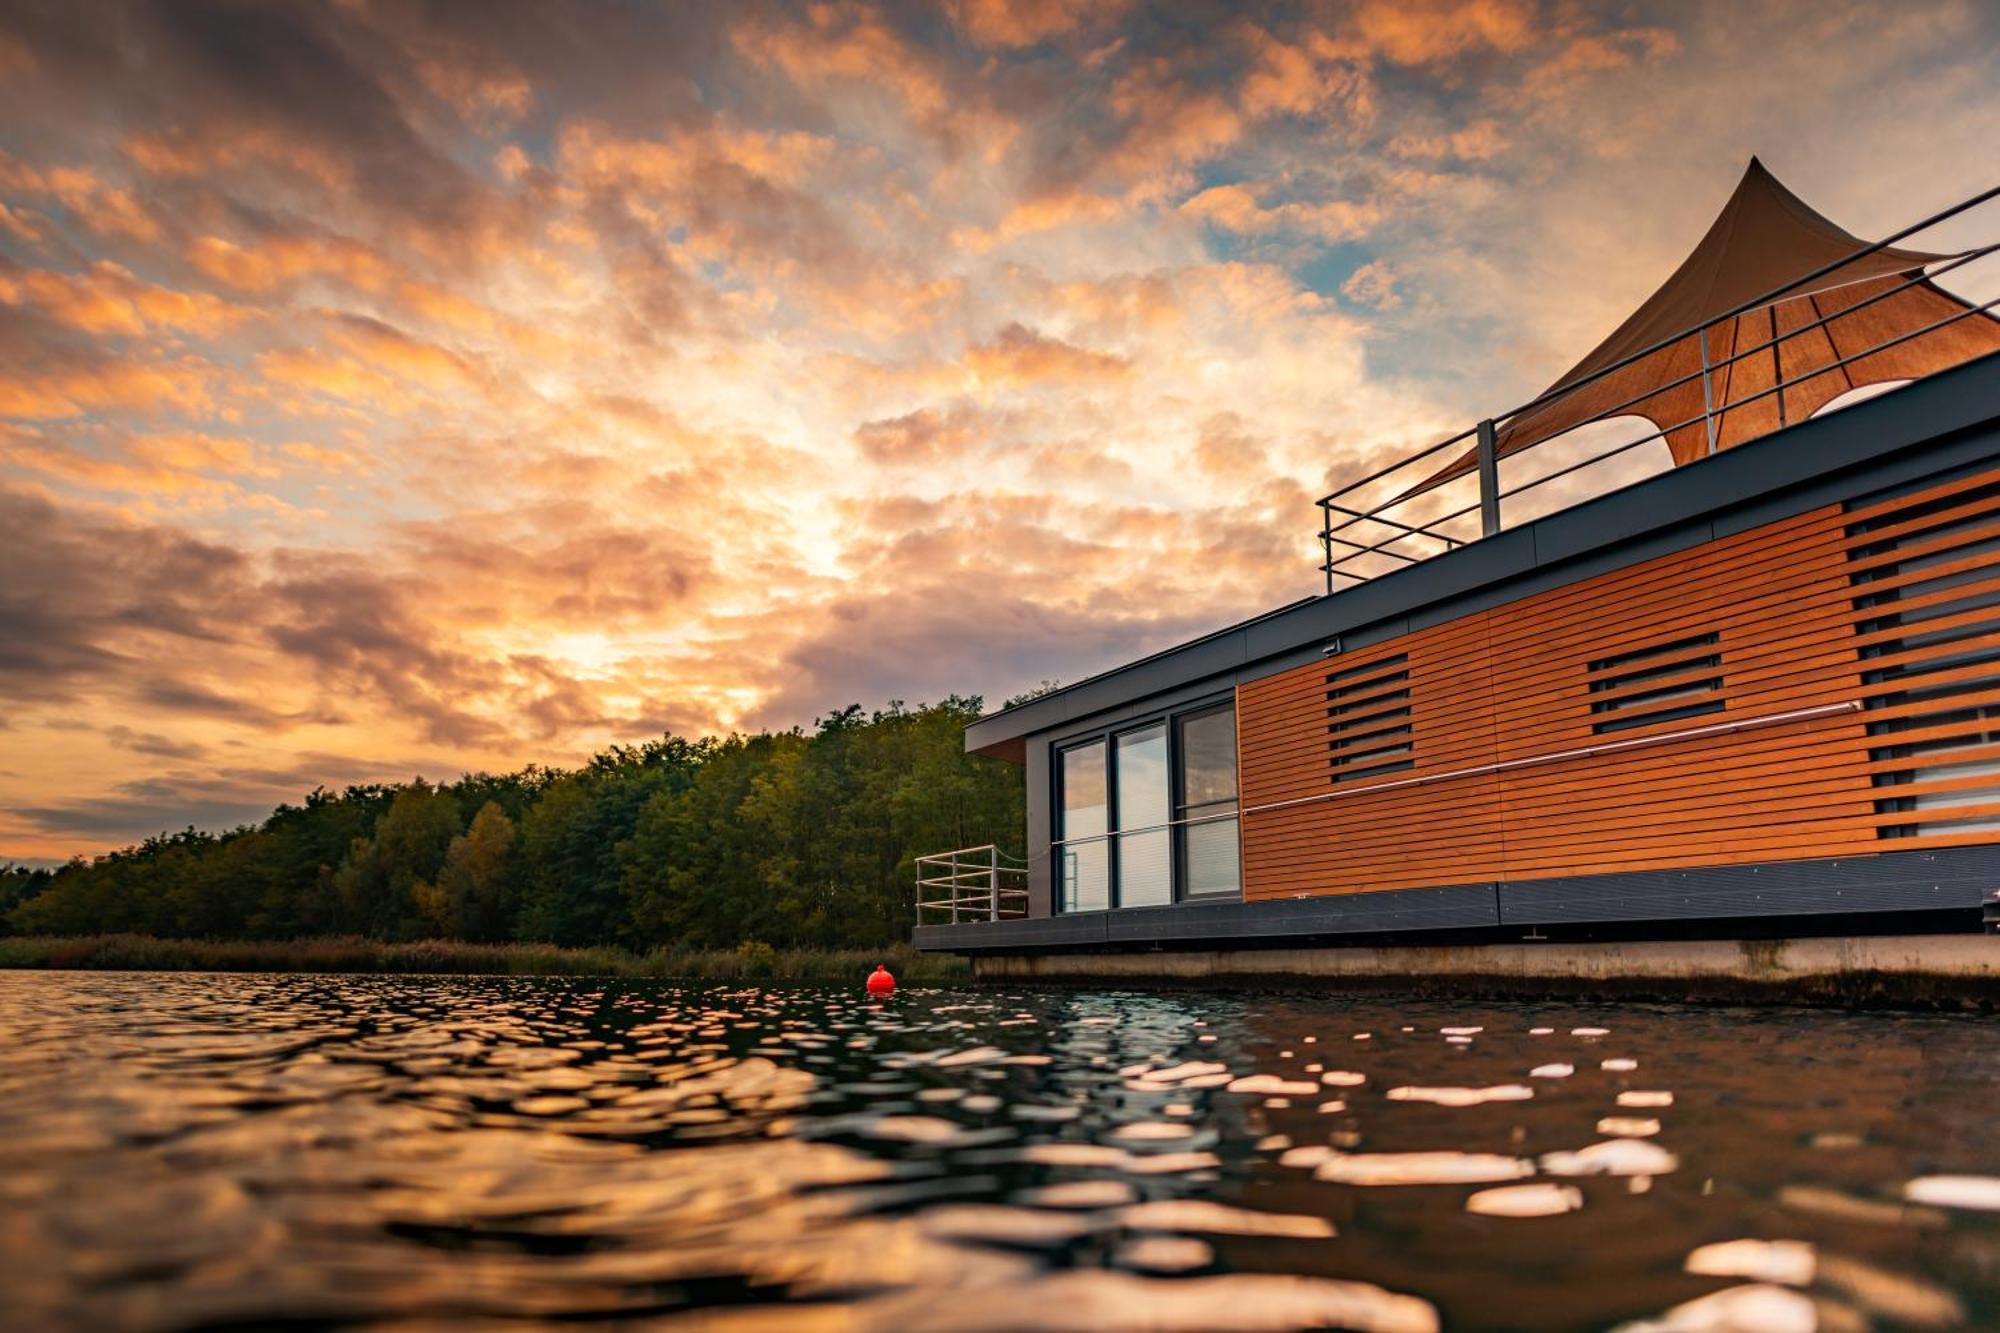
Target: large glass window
1083,878
1206,814
1149,814
1145,843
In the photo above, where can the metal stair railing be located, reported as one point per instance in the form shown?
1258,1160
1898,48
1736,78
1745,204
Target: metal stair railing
972,884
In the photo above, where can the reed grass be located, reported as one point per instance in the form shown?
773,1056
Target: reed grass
750,962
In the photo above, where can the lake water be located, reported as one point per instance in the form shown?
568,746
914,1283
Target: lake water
185,1151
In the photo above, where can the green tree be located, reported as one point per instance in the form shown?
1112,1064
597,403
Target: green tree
572,878
376,884
18,883
785,839
313,839
692,870
471,898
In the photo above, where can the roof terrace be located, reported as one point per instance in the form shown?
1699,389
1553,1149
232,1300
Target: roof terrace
1776,314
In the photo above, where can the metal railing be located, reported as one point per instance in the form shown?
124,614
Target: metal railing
1361,530
972,884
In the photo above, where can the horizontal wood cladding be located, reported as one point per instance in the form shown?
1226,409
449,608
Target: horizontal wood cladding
1880,623
1931,661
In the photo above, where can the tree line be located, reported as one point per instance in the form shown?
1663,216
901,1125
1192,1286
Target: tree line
796,840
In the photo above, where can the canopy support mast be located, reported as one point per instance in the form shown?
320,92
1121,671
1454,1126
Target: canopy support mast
1489,479
1707,393
1777,366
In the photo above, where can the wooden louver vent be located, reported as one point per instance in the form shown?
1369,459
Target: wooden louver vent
1369,727
1662,682
1927,616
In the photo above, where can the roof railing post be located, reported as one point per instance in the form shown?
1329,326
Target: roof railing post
1778,364
993,885
1707,392
1326,543
1489,480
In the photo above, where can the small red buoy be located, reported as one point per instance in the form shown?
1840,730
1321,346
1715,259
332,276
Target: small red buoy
880,982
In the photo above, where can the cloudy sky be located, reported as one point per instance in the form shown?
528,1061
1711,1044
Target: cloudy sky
391,388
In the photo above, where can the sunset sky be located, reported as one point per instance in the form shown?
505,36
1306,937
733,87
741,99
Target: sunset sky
391,388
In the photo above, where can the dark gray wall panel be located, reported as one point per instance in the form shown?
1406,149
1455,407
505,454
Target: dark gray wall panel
1041,820
1068,931
1461,907
1956,877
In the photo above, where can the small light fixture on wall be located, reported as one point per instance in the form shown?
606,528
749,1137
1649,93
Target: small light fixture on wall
1331,647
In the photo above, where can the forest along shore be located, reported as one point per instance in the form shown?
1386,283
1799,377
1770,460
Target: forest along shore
750,962
803,841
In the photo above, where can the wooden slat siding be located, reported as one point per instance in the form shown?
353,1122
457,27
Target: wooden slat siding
1513,683
1547,711
1785,606
1906,547
1735,604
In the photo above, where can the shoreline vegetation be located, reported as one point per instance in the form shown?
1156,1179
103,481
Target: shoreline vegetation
788,855
353,954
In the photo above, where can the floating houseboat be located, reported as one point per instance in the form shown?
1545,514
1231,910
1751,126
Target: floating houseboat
1554,691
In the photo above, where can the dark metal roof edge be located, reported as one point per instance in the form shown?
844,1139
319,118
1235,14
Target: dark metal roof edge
1961,398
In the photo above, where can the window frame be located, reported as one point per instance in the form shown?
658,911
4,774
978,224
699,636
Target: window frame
1179,810
1115,779
1058,775
1106,735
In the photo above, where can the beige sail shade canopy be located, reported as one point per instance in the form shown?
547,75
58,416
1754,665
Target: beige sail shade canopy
1765,239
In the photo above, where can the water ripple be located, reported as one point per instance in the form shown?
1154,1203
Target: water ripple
183,1152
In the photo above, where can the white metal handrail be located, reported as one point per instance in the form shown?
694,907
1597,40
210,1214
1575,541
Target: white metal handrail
979,883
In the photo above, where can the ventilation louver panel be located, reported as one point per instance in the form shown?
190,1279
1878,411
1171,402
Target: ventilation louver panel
1370,731
1662,682
1927,607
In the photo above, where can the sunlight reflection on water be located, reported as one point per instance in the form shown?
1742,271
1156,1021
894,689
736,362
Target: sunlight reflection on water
189,1151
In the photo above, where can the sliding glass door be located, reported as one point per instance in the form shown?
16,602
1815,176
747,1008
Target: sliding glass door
1148,815
1145,843
1205,814
1083,857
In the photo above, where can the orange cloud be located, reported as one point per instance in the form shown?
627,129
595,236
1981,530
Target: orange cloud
850,45
119,475
1236,208
594,154
107,299
407,358
1426,32
918,439
339,377
1373,284
1477,142
278,262
105,209
139,388
1020,356
184,153
1043,213
1012,23
194,451
488,98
